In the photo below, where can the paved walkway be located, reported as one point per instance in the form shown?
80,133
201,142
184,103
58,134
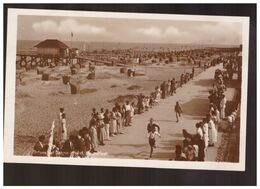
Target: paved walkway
193,98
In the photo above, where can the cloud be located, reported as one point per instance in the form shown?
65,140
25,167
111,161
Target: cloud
157,32
45,26
152,31
172,31
220,32
67,26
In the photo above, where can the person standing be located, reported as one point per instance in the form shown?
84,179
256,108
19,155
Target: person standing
113,123
223,106
201,143
173,86
93,137
59,128
132,112
106,122
127,108
212,131
181,80
163,89
205,128
192,72
140,103
118,122
169,87
64,128
102,131
178,111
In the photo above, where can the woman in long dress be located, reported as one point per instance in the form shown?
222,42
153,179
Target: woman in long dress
119,122
64,128
93,137
113,126
223,107
212,132
107,124
102,132
205,128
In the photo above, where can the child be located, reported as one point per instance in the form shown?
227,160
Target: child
151,136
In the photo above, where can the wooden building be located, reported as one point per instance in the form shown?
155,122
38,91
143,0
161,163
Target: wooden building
52,48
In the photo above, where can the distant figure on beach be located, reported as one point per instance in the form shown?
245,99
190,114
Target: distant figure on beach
151,135
192,72
107,124
59,129
127,108
178,111
173,86
163,89
223,106
181,80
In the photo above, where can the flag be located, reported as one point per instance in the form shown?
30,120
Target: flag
71,34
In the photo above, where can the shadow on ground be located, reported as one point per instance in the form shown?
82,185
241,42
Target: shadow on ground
196,107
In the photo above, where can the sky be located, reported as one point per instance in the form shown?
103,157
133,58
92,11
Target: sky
128,30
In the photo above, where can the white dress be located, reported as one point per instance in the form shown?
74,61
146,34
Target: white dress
64,130
206,134
223,107
212,132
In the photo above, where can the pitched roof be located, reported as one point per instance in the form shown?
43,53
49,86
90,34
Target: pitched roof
52,43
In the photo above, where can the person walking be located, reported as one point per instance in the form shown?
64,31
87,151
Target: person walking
151,135
178,111
152,126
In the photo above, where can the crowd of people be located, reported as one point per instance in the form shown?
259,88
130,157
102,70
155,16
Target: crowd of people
106,124
195,145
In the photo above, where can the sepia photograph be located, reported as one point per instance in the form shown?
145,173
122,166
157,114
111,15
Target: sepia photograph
126,89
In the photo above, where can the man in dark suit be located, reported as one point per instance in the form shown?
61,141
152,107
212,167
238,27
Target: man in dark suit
39,148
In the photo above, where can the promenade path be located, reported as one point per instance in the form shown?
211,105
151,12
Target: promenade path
193,98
